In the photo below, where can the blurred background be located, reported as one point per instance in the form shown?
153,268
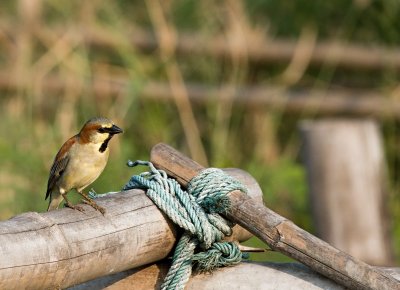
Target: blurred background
226,82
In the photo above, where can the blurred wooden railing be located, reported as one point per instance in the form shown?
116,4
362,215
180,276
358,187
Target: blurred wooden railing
264,51
256,48
334,101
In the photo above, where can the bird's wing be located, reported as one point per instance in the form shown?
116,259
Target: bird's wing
60,163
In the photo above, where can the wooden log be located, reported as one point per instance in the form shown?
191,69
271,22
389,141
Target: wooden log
66,247
282,234
347,180
245,276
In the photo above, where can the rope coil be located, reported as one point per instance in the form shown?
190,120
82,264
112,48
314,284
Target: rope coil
196,210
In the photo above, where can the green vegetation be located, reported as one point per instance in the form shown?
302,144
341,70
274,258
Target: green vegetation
43,40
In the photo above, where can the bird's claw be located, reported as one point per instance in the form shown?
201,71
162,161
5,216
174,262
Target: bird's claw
81,209
77,207
101,209
94,205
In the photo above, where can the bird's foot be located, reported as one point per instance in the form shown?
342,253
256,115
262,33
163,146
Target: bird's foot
94,205
77,207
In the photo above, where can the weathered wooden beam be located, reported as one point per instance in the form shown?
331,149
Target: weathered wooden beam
66,247
282,234
347,178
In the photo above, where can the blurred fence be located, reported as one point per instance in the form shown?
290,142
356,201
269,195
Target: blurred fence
335,101
257,51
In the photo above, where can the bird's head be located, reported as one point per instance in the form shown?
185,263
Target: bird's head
98,130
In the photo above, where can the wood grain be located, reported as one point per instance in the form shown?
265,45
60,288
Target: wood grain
281,234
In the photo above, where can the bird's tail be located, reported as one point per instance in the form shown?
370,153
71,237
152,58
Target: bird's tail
55,200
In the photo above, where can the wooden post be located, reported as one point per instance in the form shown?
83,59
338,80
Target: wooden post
66,247
281,234
347,179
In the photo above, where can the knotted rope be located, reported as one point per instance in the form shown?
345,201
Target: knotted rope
197,211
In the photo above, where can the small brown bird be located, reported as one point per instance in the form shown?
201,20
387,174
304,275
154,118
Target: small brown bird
79,162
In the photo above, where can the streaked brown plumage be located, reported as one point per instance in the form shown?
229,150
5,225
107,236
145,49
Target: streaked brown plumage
79,162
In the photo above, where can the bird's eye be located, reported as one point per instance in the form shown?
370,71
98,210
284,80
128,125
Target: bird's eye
101,130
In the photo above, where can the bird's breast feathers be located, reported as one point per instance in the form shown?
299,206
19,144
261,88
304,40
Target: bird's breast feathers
85,165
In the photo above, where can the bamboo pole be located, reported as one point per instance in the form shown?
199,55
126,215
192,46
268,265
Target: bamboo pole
281,234
65,247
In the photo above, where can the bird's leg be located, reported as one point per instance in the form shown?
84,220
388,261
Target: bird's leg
90,202
70,205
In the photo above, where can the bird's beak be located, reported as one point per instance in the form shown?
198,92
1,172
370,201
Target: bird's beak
115,130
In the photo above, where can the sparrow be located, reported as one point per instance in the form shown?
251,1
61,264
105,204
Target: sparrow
79,162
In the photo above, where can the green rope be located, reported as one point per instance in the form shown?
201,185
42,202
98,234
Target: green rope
197,211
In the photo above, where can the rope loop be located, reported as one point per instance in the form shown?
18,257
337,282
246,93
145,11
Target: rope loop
197,211
210,188
219,255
